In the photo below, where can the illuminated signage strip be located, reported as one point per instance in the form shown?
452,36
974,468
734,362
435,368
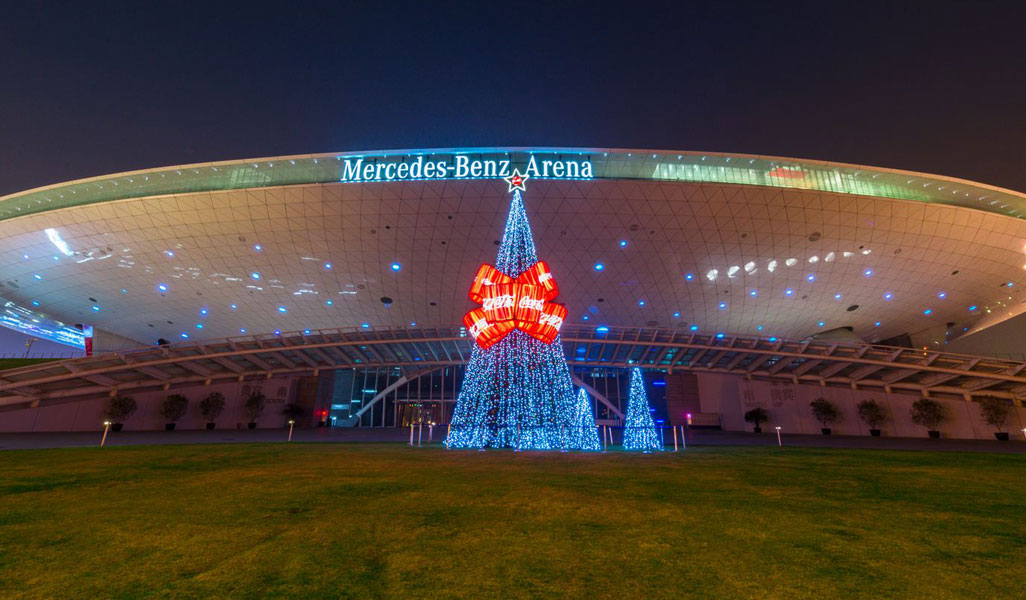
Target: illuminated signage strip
538,163
462,166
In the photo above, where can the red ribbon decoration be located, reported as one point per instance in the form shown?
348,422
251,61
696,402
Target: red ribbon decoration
508,304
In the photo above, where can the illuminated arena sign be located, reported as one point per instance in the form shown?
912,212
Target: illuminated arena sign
463,166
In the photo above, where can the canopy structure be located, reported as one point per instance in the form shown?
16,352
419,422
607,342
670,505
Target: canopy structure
857,366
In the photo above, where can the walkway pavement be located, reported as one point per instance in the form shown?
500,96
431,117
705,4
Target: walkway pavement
16,441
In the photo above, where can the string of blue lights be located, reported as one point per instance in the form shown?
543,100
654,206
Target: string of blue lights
639,430
583,433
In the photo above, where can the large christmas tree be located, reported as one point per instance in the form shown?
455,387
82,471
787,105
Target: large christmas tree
517,391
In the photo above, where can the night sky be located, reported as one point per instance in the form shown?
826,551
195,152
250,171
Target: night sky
933,87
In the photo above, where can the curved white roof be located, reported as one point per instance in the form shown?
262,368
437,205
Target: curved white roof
723,243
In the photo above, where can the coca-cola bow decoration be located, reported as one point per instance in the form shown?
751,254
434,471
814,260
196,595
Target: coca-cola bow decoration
507,304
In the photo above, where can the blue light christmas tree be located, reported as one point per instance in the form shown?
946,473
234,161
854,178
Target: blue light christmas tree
639,431
583,433
516,393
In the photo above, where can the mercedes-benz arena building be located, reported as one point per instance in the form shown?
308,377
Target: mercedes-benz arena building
339,281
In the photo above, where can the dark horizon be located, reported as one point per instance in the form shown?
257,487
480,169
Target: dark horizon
932,87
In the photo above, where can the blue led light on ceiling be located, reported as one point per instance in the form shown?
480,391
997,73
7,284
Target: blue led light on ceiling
888,296
972,308
758,327
820,324
693,328
277,332
255,275
719,336
242,330
327,266
161,287
601,329
723,305
837,296
328,302
282,309
773,339
928,311
868,272
199,325
396,266
413,323
234,306
364,325
170,253
35,303
37,276
258,247
96,308
689,276
877,324
641,303
1010,284
306,332
599,266
24,257
185,335
623,243
204,311
753,293
676,315
124,291
789,292
810,277
585,317
942,295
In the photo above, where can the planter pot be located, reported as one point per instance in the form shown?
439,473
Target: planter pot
252,425
874,432
757,429
210,425
934,434
825,430
169,426
116,426
1001,435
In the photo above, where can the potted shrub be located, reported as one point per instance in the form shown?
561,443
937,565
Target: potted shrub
120,408
293,411
756,417
995,412
172,409
929,414
825,412
212,406
872,414
254,406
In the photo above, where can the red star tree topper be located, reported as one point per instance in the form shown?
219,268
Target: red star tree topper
516,181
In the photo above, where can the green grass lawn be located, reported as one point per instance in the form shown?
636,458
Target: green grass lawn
387,521
14,363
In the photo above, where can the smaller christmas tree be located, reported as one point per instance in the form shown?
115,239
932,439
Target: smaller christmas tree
639,432
583,434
